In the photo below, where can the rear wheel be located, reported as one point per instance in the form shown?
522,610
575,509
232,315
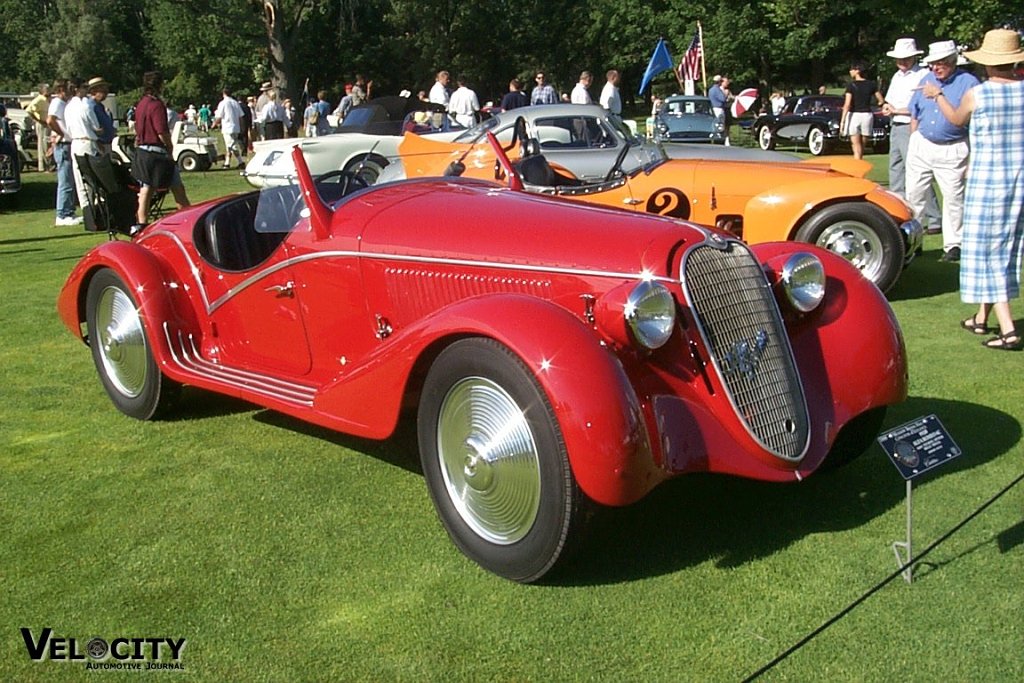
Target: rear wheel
121,349
765,139
816,141
862,234
495,462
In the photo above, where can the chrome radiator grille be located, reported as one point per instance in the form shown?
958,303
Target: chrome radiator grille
741,325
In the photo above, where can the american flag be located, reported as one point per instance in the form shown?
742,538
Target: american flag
689,67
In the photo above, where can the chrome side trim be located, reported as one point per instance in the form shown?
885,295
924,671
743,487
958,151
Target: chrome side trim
193,268
468,263
187,357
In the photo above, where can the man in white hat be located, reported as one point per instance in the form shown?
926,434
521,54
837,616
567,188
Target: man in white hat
83,128
902,86
938,149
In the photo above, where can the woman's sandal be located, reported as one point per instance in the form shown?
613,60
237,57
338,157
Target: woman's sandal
1003,343
971,325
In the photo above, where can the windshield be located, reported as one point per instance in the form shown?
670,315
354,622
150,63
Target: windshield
477,132
680,107
568,138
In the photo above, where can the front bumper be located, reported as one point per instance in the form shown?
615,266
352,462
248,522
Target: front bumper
913,238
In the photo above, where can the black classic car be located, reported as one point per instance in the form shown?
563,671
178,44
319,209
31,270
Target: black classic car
10,160
812,121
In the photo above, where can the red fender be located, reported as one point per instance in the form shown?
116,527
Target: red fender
155,291
594,402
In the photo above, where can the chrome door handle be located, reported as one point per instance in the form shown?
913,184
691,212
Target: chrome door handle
287,289
629,201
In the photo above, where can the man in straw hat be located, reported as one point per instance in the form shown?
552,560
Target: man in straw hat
98,91
938,149
993,244
897,102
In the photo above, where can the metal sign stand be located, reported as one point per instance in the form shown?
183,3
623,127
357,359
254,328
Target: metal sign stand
903,549
914,448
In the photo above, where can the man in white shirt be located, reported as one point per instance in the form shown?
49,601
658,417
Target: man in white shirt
229,114
902,86
439,91
83,127
580,94
610,99
464,104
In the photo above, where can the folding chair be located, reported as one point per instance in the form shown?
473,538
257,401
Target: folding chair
112,203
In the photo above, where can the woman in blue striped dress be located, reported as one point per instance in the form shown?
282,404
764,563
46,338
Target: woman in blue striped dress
993,233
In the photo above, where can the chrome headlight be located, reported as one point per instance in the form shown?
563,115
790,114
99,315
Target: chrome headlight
803,280
650,313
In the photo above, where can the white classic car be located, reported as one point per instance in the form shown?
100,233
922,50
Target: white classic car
365,142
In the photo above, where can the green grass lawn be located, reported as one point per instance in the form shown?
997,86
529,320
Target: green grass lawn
283,552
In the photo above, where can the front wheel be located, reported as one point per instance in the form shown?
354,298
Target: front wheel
816,142
495,462
862,234
367,169
121,349
188,161
765,139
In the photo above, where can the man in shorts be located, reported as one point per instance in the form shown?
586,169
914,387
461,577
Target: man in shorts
154,165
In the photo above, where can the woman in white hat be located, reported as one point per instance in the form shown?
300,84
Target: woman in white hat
993,237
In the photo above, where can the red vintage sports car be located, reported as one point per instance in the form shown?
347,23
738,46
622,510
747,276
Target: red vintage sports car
553,355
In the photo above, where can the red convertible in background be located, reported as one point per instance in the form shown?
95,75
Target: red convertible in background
557,357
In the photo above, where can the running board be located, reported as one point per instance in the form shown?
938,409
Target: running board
187,357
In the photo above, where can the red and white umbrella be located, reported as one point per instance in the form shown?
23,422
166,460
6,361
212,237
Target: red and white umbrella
743,102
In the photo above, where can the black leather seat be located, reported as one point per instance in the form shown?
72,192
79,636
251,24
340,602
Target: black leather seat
227,237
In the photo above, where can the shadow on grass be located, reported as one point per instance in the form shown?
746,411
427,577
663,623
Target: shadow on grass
55,236
38,192
197,404
732,521
1006,541
400,450
702,517
926,277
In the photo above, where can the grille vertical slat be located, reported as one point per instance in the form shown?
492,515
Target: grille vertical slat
740,322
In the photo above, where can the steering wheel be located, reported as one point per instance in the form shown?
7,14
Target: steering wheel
620,157
334,185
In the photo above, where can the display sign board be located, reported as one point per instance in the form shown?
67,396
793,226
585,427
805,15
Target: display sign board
919,446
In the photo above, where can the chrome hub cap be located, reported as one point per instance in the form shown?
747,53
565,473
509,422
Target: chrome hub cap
857,243
122,344
489,460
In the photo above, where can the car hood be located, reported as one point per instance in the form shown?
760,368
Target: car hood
753,177
695,151
483,222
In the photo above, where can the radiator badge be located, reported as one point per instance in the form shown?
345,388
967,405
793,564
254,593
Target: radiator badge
745,355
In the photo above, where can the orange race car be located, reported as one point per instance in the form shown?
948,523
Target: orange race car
825,202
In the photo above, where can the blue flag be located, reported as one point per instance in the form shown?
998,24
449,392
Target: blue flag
661,60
